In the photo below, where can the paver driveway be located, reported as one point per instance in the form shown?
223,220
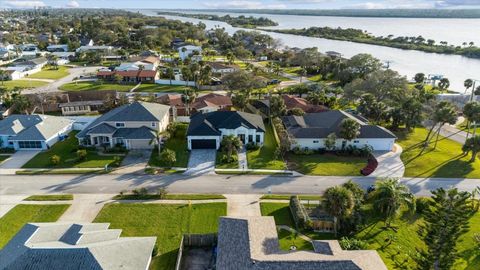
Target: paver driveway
201,161
16,161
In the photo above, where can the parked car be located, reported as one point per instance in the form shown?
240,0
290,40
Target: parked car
274,81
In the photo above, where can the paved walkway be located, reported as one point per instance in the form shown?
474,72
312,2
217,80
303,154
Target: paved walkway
16,161
7,202
389,163
243,205
201,161
85,207
242,159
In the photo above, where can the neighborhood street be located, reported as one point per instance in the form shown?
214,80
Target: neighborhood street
222,184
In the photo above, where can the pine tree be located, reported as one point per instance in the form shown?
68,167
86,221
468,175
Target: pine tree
446,219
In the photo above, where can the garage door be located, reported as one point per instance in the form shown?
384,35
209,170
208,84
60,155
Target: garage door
204,144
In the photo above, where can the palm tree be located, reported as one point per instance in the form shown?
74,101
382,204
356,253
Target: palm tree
471,111
349,129
169,73
229,144
338,202
240,100
444,84
317,97
472,144
3,74
389,196
468,83
444,113
188,97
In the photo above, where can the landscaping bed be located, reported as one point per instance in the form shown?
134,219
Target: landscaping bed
167,222
56,197
22,214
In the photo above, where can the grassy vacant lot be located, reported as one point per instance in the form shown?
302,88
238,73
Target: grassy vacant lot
21,214
177,143
326,164
68,157
447,160
167,222
264,158
287,239
23,84
57,197
287,197
51,73
169,197
396,255
88,86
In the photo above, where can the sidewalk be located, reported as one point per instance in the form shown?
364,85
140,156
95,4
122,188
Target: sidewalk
85,207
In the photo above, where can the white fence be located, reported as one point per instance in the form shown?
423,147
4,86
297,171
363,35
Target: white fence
175,82
81,122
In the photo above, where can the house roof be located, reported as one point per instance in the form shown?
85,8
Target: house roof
212,100
141,133
81,103
172,100
209,124
218,65
252,243
32,127
320,125
136,111
150,59
103,128
297,102
147,73
52,246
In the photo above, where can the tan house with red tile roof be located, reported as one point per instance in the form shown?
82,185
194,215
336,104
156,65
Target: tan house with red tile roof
297,102
208,103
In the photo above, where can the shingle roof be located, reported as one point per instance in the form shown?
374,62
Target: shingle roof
208,124
320,125
137,111
55,246
103,128
252,243
33,127
141,133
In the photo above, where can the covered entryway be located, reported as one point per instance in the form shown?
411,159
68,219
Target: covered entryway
204,144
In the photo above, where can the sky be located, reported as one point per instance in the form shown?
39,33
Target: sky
244,4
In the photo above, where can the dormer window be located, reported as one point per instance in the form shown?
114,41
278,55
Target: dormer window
153,124
119,124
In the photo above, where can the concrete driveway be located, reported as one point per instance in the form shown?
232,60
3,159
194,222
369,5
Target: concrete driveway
389,163
134,162
16,161
201,161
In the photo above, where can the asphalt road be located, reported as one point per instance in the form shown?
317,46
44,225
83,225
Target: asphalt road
223,184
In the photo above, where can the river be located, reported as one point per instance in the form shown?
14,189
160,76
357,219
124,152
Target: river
407,62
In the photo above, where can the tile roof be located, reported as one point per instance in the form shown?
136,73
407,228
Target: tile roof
172,100
147,73
33,127
252,243
211,100
320,125
211,123
55,246
297,102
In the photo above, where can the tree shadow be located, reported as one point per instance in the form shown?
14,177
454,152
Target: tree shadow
454,168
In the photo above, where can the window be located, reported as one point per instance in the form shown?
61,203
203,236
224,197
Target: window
356,141
153,124
315,141
30,144
119,124
250,138
258,138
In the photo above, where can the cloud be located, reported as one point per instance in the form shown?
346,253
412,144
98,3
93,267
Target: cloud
24,4
73,4
456,3
243,5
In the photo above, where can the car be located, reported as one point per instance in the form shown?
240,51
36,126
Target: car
274,81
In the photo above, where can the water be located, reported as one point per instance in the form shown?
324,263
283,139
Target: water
407,62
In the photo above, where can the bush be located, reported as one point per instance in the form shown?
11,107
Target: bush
81,154
7,150
422,204
303,151
116,161
55,160
140,191
162,193
168,157
252,146
224,157
352,244
299,214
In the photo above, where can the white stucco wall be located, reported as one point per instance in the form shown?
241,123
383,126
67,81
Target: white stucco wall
242,130
376,144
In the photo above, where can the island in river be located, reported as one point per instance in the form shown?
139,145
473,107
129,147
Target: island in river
240,21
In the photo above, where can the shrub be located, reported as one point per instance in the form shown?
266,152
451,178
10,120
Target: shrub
116,161
7,150
422,204
303,151
81,154
168,157
55,160
162,193
352,244
252,146
224,157
299,214
140,191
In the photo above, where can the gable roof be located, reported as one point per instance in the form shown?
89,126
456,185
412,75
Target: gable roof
252,243
34,127
52,246
212,100
320,125
136,112
297,102
172,100
209,124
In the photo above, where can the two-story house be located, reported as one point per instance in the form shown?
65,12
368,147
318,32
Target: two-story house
134,126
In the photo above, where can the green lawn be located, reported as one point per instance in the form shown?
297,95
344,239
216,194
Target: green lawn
178,143
287,239
68,157
287,197
99,86
222,165
170,197
447,160
264,158
167,222
22,214
23,84
51,73
2,158
326,164
280,212
56,197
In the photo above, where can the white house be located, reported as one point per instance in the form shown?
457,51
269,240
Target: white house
218,67
310,131
33,132
58,48
206,130
106,49
187,51
134,126
29,49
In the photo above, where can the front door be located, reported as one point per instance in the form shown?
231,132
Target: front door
242,137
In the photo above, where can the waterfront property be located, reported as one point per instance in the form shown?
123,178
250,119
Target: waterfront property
134,126
207,129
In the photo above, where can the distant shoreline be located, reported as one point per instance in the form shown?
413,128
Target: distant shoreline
367,13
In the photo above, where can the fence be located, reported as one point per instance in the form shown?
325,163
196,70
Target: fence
194,240
175,82
183,119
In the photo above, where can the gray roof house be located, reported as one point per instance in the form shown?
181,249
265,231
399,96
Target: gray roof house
55,246
131,125
207,129
310,130
252,243
36,131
